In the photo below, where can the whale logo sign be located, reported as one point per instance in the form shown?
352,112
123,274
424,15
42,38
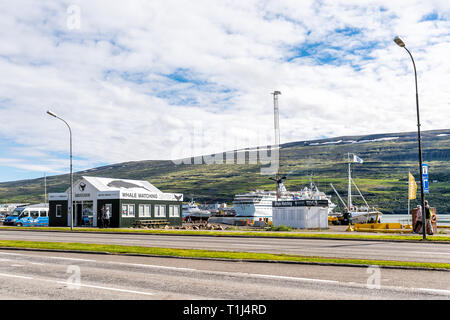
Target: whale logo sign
178,197
81,186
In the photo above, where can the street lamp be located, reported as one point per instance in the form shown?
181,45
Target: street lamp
400,43
71,176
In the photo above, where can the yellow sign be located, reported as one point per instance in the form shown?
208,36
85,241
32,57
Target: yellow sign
412,187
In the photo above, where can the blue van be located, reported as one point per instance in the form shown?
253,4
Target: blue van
35,215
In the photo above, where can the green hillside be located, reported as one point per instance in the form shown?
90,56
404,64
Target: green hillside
382,178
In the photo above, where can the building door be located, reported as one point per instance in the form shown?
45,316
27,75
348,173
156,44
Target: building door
78,213
88,214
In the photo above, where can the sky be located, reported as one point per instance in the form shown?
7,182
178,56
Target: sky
152,80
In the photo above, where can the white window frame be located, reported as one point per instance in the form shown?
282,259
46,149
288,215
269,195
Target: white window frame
128,211
158,210
174,213
58,212
142,211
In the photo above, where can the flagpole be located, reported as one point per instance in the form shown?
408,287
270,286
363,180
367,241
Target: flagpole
409,186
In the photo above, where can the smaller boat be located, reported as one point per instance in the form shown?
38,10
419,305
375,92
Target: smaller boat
191,212
353,213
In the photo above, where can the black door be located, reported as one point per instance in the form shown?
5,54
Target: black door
79,211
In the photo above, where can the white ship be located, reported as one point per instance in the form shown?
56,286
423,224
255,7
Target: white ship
256,205
192,212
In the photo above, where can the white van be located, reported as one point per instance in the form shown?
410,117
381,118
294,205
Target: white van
35,215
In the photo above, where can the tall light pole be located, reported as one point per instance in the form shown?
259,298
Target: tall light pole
401,44
71,176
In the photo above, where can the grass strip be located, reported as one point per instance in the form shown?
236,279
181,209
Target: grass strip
253,233
197,253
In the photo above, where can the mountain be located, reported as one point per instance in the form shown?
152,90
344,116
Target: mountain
382,178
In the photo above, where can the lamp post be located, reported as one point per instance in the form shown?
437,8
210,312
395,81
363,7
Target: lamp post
401,44
71,176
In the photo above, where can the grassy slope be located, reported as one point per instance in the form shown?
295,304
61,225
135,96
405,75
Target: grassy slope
382,178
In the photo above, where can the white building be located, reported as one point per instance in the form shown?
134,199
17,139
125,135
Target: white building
302,214
127,200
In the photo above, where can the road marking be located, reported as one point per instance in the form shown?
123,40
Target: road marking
249,245
431,252
290,278
14,276
105,288
50,257
17,265
72,259
153,266
81,284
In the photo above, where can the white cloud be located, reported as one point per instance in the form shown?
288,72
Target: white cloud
115,79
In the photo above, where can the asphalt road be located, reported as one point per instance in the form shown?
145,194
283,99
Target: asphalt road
402,251
28,275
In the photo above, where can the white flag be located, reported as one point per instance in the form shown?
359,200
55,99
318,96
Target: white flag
357,159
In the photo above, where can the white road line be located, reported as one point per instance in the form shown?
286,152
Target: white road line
152,266
290,278
14,276
17,265
81,284
105,288
431,253
72,259
249,245
50,257
1,259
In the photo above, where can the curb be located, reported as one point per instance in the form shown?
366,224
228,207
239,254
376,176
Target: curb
228,235
231,260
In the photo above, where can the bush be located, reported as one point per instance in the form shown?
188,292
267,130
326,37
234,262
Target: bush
279,228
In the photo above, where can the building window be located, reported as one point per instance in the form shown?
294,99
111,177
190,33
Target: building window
144,210
128,211
174,211
160,210
58,210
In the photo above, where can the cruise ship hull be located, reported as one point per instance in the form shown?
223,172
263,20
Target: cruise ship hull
253,211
